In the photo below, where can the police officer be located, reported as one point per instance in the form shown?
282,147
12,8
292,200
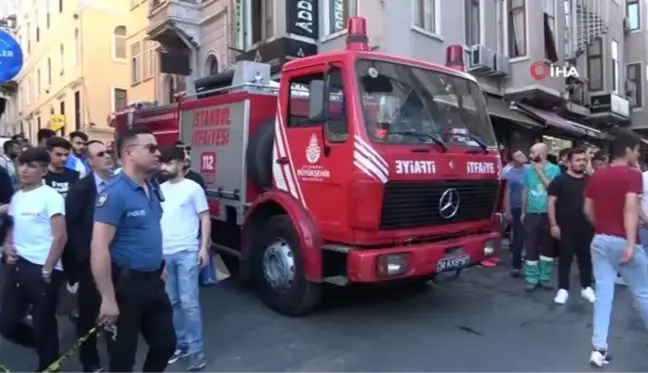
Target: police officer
126,259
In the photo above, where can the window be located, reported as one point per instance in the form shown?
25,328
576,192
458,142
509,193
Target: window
633,14
47,14
60,6
338,13
77,110
595,66
615,66
634,92
337,130
212,65
37,27
517,28
569,50
49,72
119,42
262,20
28,37
120,99
38,82
549,11
62,112
38,122
148,60
472,22
61,59
136,63
77,47
425,15
30,91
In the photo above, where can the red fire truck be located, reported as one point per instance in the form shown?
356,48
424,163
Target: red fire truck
359,167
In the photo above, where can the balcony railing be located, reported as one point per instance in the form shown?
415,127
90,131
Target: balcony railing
155,4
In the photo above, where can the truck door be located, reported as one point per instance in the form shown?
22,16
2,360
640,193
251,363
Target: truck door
321,153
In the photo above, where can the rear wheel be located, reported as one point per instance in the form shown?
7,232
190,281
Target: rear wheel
278,270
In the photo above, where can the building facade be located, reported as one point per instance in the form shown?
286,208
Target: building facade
76,65
636,55
555,67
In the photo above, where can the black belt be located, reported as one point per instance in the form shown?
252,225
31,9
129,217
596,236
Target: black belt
122,273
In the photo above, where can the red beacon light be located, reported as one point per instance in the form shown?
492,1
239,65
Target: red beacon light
455,57
357,39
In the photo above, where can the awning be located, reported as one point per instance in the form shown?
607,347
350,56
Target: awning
644,141
502,109
555,120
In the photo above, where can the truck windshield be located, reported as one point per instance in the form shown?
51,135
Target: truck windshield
406,104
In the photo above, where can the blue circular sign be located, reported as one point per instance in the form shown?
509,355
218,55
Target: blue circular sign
11,57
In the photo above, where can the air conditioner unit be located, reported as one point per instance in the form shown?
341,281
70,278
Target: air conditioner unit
482,59
502,66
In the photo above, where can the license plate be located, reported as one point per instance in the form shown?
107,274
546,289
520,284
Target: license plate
452,263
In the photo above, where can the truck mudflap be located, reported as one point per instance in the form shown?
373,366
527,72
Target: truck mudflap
303,223
421,259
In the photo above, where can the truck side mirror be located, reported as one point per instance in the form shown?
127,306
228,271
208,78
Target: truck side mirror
318,101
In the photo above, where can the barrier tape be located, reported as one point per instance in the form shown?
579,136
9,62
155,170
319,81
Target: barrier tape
56,366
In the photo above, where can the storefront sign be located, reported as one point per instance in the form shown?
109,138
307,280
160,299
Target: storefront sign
278,52
238,24
11,57
610,103
302,18
338,20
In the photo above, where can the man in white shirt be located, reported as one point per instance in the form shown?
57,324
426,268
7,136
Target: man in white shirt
33,247
186,231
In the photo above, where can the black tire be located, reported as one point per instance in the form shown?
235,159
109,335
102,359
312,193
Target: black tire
258,156
303,295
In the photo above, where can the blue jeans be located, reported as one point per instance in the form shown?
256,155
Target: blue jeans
184,295
606,255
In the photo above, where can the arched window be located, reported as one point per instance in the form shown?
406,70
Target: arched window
77,47
212,65
119,42
61,59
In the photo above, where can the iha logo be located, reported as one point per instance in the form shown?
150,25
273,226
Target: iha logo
542,70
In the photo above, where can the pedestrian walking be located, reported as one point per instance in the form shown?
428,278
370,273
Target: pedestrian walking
77,160
612,205
33,247
80,208
126,259
59,177
562,159
514,176
43,135
186,228
569,226
11,151
539,245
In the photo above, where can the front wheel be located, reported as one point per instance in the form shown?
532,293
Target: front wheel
278,270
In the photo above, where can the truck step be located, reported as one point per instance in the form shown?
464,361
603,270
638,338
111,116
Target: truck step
337,248
337,280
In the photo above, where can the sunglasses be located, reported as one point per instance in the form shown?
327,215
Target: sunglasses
152,148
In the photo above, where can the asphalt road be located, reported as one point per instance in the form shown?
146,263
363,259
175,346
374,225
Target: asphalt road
484,321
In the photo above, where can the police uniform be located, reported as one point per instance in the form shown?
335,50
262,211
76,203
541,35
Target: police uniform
136,254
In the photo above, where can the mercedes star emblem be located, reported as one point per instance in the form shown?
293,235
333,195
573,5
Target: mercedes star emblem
449,203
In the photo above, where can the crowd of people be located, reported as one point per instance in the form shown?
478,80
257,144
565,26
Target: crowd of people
589,204
129,242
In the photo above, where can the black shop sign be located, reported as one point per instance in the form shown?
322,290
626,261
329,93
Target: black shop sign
278,52
302,18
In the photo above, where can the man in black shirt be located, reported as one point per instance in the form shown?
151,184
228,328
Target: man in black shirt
58,176
569,225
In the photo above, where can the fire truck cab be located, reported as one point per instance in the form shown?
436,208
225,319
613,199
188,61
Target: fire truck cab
359,167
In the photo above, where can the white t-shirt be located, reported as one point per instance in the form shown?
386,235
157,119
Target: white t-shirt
32,230
644,195
183,202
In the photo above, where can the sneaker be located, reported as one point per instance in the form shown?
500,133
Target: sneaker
620,281
180,353
561,296
516,273
599,358
588,294
197,362
529,288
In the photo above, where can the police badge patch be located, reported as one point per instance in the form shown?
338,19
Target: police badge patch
103,197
